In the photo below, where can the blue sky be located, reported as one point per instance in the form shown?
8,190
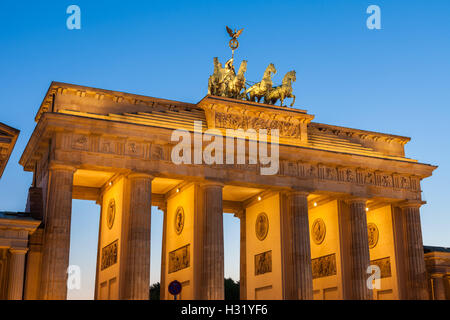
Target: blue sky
393,80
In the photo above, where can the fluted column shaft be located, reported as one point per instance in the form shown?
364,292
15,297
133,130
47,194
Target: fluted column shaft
212,247
416,283
55,258
137,238
359,251
16,274
243,257
163,285
33,266
301,250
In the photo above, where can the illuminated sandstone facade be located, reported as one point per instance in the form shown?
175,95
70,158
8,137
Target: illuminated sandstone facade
343,199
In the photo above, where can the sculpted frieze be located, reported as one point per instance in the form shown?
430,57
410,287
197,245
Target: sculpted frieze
80,142
134,149
240,121
327,172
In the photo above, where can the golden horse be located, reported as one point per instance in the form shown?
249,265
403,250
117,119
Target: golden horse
282,92
259,90
215,79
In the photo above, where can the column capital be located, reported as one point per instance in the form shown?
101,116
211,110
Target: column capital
211,184
140,175
240,214
411,204
356,200
295,192
18,250
62,167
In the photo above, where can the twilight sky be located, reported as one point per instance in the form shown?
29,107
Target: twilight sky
394,80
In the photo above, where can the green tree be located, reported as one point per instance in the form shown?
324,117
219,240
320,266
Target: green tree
231,289
155,290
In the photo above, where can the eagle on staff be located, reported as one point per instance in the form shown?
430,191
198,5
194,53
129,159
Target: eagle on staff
234,34
226,82
234,43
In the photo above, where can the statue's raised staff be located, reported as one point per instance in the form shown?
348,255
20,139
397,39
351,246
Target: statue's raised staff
282,92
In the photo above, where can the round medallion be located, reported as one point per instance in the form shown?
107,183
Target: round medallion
318,231
372,232
111,214
262,226
179,220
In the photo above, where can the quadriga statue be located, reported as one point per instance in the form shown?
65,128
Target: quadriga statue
224,81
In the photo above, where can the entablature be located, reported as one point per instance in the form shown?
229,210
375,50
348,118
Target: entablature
85,142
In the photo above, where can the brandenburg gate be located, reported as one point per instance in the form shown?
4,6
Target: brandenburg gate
341,200
325,212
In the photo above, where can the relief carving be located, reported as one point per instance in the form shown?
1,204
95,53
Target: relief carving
385,266
106,147
179,220
404,183
318,231
349,175
262,226
236,121
324,266
109,255
386,181
369,178
157,152
263,263
373,234
179,259
111,214
80,143
133,149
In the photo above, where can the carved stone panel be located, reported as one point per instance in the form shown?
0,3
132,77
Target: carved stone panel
134,149
179,220
238,121
111,213
324,266
80,142
179,259
109,255
157,152
262,226
318,231
373,234
107,146
385,266
263,263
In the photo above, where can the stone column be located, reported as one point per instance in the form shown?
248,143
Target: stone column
136,238
243,257
416,280
163,284
301,250
16,273
212,251
438,287
55,258
33,266
359,258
